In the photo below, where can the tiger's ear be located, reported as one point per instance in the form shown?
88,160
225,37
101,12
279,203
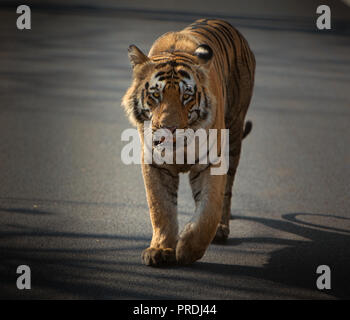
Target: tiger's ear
204,53
136,56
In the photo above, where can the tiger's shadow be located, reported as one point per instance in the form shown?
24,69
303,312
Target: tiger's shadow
295,264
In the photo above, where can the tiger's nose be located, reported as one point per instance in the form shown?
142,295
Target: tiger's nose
171,129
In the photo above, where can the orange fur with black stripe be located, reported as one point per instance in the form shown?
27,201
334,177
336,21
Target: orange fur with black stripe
200,77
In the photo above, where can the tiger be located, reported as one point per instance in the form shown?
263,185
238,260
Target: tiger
199,77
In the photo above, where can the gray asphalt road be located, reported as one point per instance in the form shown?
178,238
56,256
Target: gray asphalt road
73,212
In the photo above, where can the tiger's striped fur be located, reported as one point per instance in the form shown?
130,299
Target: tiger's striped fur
200,77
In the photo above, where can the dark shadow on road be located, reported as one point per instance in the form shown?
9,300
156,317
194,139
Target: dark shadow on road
74,272
41,201
295,265
96,272
25,211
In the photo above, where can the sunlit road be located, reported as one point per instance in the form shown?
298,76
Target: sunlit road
73,212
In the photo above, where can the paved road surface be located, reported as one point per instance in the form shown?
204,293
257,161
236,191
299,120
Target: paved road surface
73,212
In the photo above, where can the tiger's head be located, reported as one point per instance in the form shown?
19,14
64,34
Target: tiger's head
170,89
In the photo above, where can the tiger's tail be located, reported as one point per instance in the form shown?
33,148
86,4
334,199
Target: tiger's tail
247,128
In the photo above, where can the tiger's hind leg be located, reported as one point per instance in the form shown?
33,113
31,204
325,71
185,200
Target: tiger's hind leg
223,229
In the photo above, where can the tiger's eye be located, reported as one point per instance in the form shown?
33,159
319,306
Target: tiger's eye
156,94
186,96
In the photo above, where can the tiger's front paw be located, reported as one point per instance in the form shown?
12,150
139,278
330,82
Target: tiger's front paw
157,257
221,234
189,249
185,254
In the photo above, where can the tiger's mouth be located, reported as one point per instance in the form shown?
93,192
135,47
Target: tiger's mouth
164,141
168,138
158,142
164,137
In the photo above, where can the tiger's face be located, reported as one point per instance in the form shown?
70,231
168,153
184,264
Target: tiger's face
170,90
